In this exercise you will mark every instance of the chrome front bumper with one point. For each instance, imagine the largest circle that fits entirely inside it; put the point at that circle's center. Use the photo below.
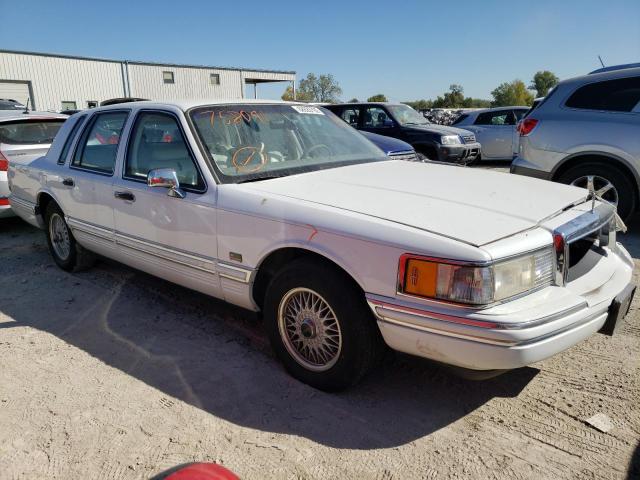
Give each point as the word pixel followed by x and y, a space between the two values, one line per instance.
pixel 506 336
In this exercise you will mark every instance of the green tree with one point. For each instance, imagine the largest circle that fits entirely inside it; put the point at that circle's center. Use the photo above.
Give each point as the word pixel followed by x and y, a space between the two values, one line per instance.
pixel 354 100
pixel 420 104
pixel 476 103
pixel 511 93
pixel 300 97
pixel 542 82
pixel 316 88
pixel 377 98
pixel 454 98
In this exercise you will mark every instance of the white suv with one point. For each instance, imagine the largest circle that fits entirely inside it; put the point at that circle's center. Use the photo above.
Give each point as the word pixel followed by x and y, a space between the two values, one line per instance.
pixel 588 130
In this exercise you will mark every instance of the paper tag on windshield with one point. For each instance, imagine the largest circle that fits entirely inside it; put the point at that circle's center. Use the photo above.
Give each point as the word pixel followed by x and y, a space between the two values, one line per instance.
pixel 307 109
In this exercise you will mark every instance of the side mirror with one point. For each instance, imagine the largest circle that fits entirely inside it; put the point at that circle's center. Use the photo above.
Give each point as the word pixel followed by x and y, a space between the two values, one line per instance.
pixel 167 178
pixel 388 123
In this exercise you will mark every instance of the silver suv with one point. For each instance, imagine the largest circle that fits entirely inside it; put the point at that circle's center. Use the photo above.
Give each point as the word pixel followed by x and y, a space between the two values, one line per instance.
pixel 587 130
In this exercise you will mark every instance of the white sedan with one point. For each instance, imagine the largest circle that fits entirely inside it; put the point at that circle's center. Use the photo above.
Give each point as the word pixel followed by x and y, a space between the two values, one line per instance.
pixel 283 208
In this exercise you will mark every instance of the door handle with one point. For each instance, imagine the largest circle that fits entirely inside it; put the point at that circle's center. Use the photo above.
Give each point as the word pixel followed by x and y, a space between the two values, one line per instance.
pixel 130 197
pixel 68 182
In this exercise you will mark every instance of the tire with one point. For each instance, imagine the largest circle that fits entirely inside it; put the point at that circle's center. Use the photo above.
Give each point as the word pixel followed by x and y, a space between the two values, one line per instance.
pixel 66 252
pixel 625 187
pixel 358 340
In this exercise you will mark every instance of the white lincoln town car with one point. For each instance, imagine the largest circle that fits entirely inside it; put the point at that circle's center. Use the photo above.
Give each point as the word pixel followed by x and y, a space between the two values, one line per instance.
pixel 284 209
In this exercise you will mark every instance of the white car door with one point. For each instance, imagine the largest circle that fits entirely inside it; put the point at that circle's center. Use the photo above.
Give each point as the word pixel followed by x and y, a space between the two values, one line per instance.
pixel 494 130
pixel 84 188
pixel 173 238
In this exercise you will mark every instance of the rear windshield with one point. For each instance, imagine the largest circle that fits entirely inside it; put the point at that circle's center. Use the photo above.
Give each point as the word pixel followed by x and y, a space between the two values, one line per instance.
pixel 31 132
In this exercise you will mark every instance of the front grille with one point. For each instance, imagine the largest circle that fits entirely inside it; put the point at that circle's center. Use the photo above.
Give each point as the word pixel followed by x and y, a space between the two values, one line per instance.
pixel 581 235
pixel 469 138
pixel 409 156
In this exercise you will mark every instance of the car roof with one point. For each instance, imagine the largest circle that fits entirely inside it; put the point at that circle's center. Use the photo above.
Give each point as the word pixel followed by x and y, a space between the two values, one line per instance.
pixel 602 75
pixel 615 67
pixel 364 103
pixel 188 104
pixel 495 109
pixel 13 115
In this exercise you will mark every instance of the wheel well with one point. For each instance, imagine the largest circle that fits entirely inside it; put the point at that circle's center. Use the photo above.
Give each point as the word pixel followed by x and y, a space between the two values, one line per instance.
pixel 426 149
pixel 277 259
pixel 44 199
pixel 595 158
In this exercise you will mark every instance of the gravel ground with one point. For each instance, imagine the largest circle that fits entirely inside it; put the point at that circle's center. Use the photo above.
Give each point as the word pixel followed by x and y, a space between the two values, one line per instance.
pixel 111 373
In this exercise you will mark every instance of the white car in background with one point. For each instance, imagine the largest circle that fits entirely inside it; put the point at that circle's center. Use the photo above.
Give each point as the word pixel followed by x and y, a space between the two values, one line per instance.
pixel 24 136
pixel 285 209
pixel 495 129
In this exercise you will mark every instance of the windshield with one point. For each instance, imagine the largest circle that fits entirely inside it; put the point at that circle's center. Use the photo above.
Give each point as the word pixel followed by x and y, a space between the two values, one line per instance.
pixel 247 142
pixel 406 115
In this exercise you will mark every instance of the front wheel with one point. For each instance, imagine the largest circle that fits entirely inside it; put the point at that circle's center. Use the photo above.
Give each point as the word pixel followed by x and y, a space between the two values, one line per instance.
pixel 66 252
pixel 320 326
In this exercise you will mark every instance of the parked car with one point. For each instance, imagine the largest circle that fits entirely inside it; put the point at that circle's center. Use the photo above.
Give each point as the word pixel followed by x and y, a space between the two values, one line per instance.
pixel 392 147
pixel 10 104
pixel 586 132
pixel 281 208
pixel 435 142
pixel 495 129
pixel 23 137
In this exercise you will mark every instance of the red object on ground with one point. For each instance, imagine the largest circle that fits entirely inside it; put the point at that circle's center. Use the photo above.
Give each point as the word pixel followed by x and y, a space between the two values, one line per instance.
pixel 203 471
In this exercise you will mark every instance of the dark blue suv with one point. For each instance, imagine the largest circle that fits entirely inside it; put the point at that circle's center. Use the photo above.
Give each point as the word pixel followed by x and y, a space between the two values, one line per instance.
pixel 435 142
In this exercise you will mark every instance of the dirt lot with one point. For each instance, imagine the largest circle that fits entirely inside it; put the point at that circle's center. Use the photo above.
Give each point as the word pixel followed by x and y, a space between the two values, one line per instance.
pixel 111 373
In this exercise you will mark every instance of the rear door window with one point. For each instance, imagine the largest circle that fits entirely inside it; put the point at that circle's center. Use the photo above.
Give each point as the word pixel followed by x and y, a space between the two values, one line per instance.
pixel 501 117
pixel 69 141
pixel 98 146
pixel 619 95
pixel 29 132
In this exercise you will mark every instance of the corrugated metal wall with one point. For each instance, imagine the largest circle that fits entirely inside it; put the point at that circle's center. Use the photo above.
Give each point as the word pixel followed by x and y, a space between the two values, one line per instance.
pixel 55 79
pixel 190 83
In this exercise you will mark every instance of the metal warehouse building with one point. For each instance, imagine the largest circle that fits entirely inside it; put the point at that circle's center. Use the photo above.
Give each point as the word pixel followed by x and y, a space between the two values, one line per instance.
pixel 61 82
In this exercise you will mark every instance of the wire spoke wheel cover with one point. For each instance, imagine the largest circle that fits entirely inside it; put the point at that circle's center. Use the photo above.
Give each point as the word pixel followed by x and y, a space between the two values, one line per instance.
pixel 603 187
pixel 309 329
pixel 60 238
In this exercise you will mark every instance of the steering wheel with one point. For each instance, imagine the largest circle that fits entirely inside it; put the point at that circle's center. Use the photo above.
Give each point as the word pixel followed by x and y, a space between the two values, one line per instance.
pixel 317 147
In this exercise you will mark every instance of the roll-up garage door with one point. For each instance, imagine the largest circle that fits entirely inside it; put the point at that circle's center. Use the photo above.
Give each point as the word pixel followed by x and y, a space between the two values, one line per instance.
pixel 18 91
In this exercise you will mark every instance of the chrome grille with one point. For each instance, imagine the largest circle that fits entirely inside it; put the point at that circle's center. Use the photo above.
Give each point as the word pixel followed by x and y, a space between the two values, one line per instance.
pixel 409 156
pixel 598 224
pixel 469 138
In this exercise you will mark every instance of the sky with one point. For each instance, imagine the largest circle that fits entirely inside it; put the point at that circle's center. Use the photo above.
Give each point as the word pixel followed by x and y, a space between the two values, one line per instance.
pixel 406 50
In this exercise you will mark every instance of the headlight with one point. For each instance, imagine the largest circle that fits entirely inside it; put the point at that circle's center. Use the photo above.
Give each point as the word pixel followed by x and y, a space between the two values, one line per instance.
pixel 475 285
pixel 450 140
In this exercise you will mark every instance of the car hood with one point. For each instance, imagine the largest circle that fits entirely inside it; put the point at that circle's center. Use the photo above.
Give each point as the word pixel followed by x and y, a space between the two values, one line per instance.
pixel 471 205
pixel 388 145
pixel 441 129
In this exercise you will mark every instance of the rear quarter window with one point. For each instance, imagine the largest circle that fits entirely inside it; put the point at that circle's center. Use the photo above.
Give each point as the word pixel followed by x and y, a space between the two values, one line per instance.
pixel 29 132
pixel 619 95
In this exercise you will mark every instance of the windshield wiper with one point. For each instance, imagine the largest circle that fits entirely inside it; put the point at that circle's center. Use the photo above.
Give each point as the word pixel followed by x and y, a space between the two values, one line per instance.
pixel 415 123
pixel 257 179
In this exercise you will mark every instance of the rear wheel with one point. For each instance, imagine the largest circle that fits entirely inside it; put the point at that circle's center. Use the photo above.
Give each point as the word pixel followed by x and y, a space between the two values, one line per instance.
pixel 609 182
pixel 66 252
pixel 320 326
